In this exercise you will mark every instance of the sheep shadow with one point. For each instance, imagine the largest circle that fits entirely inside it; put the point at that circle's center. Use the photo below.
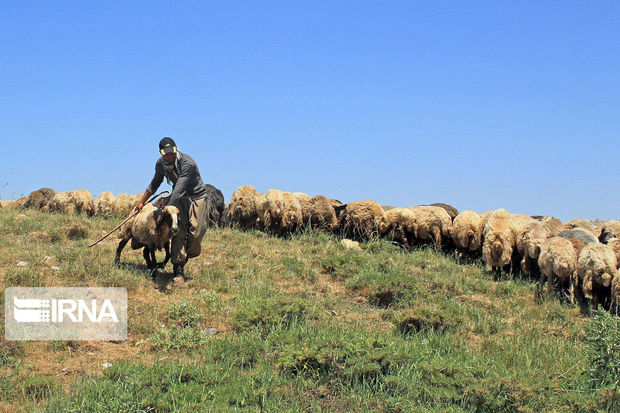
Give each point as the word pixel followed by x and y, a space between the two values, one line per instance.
pixel 160 277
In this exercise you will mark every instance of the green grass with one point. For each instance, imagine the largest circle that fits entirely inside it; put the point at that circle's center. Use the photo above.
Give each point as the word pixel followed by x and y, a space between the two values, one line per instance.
pixel 306 325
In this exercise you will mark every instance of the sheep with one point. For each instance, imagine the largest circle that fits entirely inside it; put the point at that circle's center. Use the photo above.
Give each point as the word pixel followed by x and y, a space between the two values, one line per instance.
pixel 71 202
pixel 431 224
pixel 614 244
pixel 452 211
pixel 304 203
pixel 20 203
pixel 579 238
pixel 144 232
pixel 362 220
pixel 386 208
pixel 40 198
pixel 215 205
pixel 608 231
pixel 322 213
pixel 125 204
pixel 292 217
pixel 104 204
pixel 529 242
pixel 400 226
pixel 552 224
pixel 522 225
pixel 242 210
pixel 580 223
pixel 499 241
pixel 558 261
pixel 596 267
pixel 466 233
pixel 270 208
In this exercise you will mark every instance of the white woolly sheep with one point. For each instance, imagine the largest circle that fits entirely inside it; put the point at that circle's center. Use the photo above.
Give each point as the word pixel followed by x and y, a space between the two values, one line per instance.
pixel 530 242
pixel 466 233
pixel 452 211
pixel 40 198
pixel 104 204
pixel 362 220
pixel 71 202
pixel 579 238
pixel 400 226
pixel 124 204
pixel 304 203
pixel 322 213
pixel 558 261
pixel 243 209
pixel 499 241
pixel 431 224
pixel 270 209
pixel 596 267
pixel 144 232
pixel 292 218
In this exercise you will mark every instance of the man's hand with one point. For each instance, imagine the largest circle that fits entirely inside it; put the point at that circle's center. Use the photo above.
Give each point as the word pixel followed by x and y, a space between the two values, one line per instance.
pixel 139 206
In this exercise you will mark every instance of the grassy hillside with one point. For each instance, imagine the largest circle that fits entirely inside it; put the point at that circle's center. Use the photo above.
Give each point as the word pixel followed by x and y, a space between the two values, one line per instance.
pixel 304 325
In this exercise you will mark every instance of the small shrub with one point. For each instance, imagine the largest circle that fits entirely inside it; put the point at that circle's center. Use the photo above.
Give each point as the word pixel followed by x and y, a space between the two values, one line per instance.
pixel 603 339
pixel 271 311
pixel 184 314
pixel 178 338
pixel 38 387
pixel 76 231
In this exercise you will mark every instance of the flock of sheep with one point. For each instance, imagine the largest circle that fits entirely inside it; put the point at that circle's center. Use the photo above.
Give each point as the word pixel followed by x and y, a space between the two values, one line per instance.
pixel 576 259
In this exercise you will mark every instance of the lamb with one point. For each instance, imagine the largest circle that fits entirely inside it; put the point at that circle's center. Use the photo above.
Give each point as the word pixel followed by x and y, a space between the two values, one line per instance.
pixel 243 209
pixel 362 220
pixel 292 218
pixel 608 231
pixel 322 213
pixel 270 208
pixel 144 232
pixel 466 233
pixel 499 241
pixel 72 202
pixel 431 224
pixel 104 204
pixel 40 198
pixel 558 261
pixel 400 226
pixel 304 203
pixel 597 267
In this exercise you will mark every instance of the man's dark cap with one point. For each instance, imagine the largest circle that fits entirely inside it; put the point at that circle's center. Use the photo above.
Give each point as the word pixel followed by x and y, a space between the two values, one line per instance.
pixel 167 145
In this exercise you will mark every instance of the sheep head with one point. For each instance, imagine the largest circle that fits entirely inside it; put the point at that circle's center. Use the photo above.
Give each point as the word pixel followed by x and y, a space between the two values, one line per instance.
pixel 171 218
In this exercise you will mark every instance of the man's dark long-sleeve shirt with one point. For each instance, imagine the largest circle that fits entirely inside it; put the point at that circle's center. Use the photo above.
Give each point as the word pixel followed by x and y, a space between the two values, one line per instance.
pixel 185 178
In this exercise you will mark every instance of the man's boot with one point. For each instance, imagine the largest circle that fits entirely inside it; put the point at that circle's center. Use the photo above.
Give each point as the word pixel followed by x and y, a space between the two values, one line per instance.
pixel 179 275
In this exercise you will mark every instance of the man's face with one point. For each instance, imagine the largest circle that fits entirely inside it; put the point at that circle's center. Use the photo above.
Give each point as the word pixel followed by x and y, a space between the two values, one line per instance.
pixel 170 157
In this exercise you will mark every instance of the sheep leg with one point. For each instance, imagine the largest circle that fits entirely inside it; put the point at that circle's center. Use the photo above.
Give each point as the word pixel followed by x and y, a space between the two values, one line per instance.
pixel 117 257
pixel 146 252
pixel 167 258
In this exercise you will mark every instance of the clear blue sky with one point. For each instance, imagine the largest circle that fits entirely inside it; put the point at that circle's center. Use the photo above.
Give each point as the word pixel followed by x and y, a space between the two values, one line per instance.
pixel 478 104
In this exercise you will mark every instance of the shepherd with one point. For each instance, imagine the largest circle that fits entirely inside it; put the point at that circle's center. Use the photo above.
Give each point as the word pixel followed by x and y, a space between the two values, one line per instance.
pixel 188 195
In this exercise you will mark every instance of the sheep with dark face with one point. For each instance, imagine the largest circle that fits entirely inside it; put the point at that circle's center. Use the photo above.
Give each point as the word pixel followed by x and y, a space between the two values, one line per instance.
pixel 144 232
pixel 608 231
